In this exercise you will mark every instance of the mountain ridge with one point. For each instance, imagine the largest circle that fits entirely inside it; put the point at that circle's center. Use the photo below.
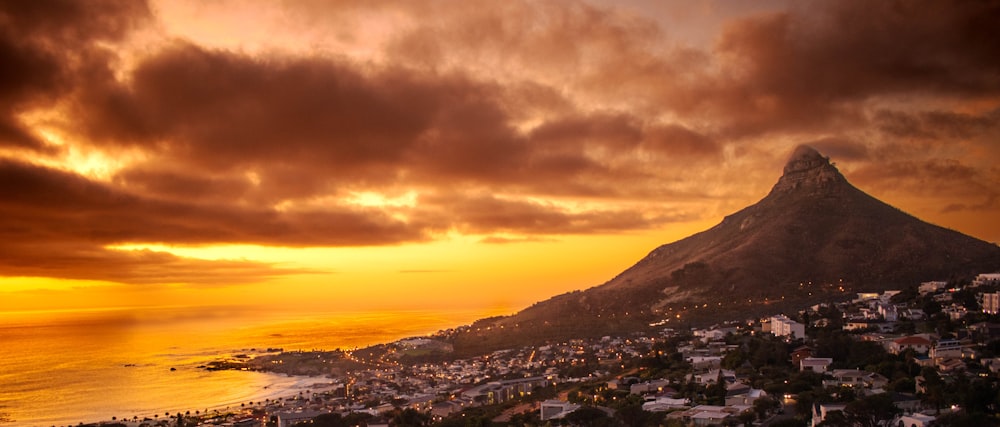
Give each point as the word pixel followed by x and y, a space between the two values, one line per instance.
pixel 814 237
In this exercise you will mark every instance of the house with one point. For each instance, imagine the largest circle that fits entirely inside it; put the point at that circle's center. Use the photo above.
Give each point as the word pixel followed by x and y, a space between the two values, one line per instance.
pixel 708 418
pixel 703 415
pixel 915 420
pixel 663 404
pixel 992 364
pixel 448 407
pixel 287 419
pixel 985 330
pixel 655 386
pixel 991 303
pixel 986 279
pixel 946 348
pixel 782 326
pixel 712 376
pixel 705 362
pixel 950 364
pixel 801 353
pixel 907 402
pixel 556 409
pixel 815 364
pixel 888 312
pixel 821 410
pixel 955 311
pixel 856 378
pixel 917 343
pixel 741 394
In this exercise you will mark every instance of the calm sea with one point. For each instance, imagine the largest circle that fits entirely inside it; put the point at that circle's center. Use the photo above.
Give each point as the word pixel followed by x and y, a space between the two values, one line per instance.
pixel 59 369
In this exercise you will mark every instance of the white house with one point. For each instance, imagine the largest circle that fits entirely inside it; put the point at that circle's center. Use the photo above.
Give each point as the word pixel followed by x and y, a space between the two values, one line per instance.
pixel 917 343
pixel 946 348
pixel 991 303
pixel 815 364
pixel 553 409
pixel 782 326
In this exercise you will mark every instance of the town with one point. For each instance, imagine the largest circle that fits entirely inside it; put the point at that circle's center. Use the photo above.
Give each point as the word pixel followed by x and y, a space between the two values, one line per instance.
pixel 927 355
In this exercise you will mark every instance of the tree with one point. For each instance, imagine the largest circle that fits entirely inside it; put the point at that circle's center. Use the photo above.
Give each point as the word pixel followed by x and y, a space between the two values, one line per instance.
pixel 410 417
pixel 764 406
pixel 715 393
pixel 964 419
pixel 328 420
pixel 588 416
pixel 934 388
pixel 524 419
pixel 632 415
pixel 835 419
pixel 876 410
pixel 980 397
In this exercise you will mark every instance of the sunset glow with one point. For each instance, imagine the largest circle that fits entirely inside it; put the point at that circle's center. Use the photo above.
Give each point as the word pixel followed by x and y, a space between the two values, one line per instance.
pixel 455 155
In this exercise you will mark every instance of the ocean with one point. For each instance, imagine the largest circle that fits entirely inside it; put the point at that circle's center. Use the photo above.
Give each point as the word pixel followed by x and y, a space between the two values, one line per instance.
pixel 64 368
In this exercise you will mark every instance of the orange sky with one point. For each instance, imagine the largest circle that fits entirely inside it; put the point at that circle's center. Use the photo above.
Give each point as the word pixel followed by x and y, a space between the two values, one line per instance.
pixel 428 154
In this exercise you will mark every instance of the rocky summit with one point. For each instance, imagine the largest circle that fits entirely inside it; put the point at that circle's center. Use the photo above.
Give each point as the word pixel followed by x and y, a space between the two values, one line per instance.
pixel 813 238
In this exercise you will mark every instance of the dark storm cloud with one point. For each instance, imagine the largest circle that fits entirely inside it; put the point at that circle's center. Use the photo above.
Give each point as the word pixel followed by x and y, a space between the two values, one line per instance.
pixel 87 262
pixel 221 111
pixel 49 204
pixel 813 65
pixel 42 43
pixel 227 110
pixel 943 178
pixel 179 184
pixel 937 125
pixel 59 223
pixel 488 214
pixel 988 204
pixel 316 126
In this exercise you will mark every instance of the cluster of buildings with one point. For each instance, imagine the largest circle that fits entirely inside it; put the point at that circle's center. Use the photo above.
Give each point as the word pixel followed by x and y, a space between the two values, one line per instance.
pixel 445 388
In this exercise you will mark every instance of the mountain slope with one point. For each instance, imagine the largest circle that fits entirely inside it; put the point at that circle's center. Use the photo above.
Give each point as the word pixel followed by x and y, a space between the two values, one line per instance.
pixel 812 238
pixel 815 226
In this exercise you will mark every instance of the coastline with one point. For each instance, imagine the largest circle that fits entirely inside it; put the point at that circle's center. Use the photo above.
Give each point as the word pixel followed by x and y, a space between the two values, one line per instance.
pixel 74 370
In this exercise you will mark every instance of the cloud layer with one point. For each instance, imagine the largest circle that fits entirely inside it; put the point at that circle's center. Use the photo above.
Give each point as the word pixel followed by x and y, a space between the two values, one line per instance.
pixel 512 121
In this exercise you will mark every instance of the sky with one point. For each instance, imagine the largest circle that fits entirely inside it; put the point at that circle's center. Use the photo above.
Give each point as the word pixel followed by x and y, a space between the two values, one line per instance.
pixel 455 154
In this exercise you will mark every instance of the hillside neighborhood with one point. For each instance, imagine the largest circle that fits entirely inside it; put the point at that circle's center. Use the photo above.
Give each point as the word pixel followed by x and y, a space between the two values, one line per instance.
pixel 928 355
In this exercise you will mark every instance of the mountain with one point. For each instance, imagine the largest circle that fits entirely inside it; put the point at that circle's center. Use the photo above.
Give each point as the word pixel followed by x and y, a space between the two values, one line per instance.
pixel 813 238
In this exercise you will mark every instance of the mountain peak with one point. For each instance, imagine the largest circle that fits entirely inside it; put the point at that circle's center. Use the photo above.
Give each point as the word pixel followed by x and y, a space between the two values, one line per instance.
pixel 808 169
pixel 815 238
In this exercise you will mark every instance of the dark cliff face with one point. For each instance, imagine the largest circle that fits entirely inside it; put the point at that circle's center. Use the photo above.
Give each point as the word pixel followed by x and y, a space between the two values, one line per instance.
pixel 808 171
pixel 813 227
